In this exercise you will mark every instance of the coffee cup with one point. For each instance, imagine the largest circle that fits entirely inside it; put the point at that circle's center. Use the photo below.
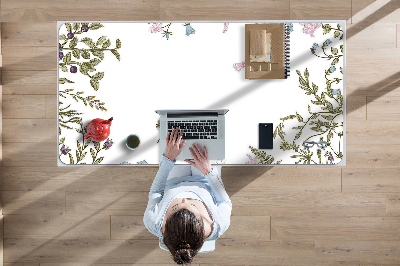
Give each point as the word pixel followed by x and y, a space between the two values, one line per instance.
pixel 132 142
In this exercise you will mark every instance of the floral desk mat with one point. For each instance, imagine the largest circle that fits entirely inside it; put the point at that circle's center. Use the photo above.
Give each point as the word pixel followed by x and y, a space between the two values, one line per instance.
pixel 127 70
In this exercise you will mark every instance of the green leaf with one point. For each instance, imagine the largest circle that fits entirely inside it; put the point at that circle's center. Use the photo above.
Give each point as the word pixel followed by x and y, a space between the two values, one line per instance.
pixel 287 117
pixel 298 135
pixel 88 42
pixel 93 153
pixel 101 40
pixel 61 141
pixel 71 159
pixel 118 44
pixel 99 160
pixel 95 26
pixel 336 34
pixel 84 69
pixel 73 43
pixel 317 129
pixel 64 80
pixel 76 53
pixel 62 37
pixel 79 146
pixel 299 118
pixel 315 88
pixel 76 26
pixel 88 66
pixel 69 27
pixel 328 117
pixel 338 26
pixel 64 68
pixel 67 58
pixel 95 61
pixel 99 54
pixel 341 70
pixel 98 76
pixel 341 48
pixel 329 106
pixel 85 53
pixel 306 74
pixel 334 50
pixel 115 52
pixel 82 156
pixel 106 44
pixel 335 61
pixel 275 132
pixel 95 85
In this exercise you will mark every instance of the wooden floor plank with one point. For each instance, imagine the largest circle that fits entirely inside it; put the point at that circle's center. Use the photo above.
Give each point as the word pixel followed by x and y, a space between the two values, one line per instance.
pixel 54 226
pixel 241 227
pixel 29 130
pixel 26 154
pixel 384 36
pixel 393 204
pixel 369 12
pixel 24 106
pixel 356 108
pixel 31 58
pixel 33 202
pixel 373 132
pixel 359 5
pixel 371 180
pixel 30 82
pixel 308 204
pixel 61 10
pixel 29 34
pixel 335 228
pixel 378 84
pixel 362 252
pixel 322 9
pixel 51 106
pixel 118 179
pixel 383 108
pixel 223 10
pixel 147 251
pixel 361 155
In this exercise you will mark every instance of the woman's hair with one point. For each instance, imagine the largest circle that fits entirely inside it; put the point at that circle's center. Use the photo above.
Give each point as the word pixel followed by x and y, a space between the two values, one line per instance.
pixel 184 235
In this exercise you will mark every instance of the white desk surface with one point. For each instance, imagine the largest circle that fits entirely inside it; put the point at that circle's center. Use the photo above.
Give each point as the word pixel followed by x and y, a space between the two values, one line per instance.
pixel 196 72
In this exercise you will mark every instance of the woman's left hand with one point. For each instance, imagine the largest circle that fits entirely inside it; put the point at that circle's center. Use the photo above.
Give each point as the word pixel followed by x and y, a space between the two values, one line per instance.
pixel 172 149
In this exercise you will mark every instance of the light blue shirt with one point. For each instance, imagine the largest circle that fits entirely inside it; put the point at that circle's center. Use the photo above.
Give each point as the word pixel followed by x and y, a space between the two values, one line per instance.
pixel 208 188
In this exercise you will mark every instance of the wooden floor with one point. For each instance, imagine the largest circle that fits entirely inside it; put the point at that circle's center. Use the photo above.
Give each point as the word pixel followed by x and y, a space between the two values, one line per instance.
pixel 280 216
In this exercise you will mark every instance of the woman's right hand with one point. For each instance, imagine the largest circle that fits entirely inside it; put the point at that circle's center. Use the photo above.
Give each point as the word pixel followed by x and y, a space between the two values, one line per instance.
pixel 201 161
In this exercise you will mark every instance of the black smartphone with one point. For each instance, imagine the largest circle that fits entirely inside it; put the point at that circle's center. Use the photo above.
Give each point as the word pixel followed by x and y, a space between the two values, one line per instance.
pixel 265 136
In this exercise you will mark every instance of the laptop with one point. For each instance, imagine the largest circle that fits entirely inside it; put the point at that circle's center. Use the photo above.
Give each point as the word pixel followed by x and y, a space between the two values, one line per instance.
pixel 205 127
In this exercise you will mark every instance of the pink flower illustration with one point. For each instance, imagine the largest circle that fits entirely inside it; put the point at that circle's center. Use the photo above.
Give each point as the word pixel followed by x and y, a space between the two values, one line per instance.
pixel 156 27
pixel 254 160
pixel 310 28
pixel 226 25
pixel 239 66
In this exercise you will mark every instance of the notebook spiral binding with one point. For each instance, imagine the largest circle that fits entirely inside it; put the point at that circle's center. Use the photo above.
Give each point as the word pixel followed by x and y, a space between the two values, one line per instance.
pixel 286 51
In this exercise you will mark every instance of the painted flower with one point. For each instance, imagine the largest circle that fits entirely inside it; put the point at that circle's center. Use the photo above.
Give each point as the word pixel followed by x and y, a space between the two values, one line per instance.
pixel 296 162
pixel 156 27
pixel 95 143
pixel 73 69
pixel 310 28
pixel 65 150
pixel 125 162
pixel 226 25
pixel 254 160
pixel 70 35
pixel 332 69
pixel 314 46
pixel 142 162
pixel 327 42
pixel 330 158
pixel 108 144
pixel 85 28
pixel 60 55
pixel 336 92
pixel 290 25
pixel 59 45
pixel 239 66
pixel 167 35
pixel 189 30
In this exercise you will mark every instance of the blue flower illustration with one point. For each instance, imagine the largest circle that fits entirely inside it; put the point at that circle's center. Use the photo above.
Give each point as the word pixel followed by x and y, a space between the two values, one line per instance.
pixel 290 26
pixel 332 69
pixel 142 162
pixel 314 46
pixel 327 42
pixel 336 92
pixel 189 30
pixel 167 35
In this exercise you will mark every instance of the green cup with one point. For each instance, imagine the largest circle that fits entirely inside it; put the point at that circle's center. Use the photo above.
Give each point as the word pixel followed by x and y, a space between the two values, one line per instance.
pixel 132 142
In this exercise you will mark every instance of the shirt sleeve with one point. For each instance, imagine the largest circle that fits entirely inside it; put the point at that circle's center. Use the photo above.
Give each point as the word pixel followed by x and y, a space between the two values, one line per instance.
pixel 224 204
pixel 156 194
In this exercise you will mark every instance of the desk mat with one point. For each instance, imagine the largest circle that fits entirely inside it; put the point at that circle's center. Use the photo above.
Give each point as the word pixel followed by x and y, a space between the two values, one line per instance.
pixel 127 70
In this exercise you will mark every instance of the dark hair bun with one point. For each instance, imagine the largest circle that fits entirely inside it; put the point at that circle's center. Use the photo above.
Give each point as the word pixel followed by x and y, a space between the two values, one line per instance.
pixel 184 254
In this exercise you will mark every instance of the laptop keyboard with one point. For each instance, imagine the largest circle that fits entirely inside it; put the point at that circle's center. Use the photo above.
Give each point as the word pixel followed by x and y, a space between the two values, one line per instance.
pixel 195 129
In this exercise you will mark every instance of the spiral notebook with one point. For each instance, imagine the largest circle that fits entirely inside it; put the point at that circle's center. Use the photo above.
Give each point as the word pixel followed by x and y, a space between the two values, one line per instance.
pixel 267 51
